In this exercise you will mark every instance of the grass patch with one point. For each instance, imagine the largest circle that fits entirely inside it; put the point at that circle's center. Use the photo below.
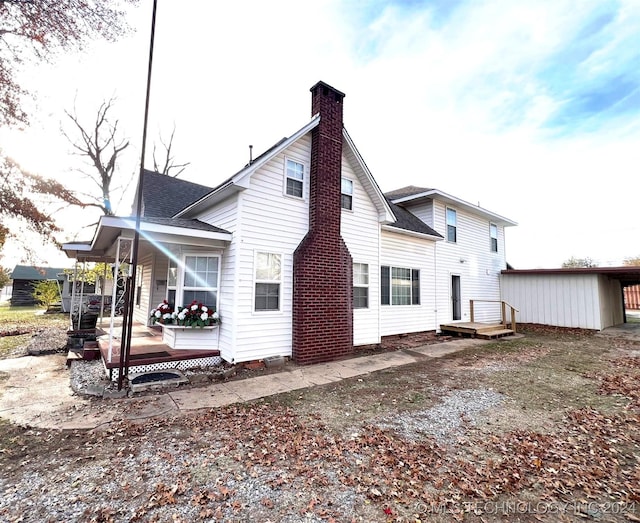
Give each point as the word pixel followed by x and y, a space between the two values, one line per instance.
pixel 557 380
pixel 10 344
pixel 28 319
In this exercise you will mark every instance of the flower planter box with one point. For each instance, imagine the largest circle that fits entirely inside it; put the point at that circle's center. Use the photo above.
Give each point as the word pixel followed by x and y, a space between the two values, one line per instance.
pixel 190 338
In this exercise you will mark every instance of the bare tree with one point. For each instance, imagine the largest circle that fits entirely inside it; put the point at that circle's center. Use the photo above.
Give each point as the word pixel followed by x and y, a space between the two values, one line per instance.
pixel 101 145
pixel 169 161
pixel 32 31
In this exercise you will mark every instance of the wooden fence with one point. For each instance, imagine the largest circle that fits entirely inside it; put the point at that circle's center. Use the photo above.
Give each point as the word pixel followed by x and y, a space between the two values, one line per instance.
pixel 632 297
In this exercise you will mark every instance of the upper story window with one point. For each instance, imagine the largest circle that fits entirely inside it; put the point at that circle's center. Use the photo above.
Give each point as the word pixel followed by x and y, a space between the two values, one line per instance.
pixel 346 194
pixel 452 225
pixel 294 178
pixel 493 234
pixel 399 286
pixel 360 286
pixel 268 278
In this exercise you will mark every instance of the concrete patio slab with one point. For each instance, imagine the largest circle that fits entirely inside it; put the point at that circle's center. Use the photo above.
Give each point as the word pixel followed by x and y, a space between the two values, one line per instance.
pixel 368 364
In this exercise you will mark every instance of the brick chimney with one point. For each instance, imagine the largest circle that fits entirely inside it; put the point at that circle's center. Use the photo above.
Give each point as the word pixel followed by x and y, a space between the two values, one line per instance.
pixel 322 266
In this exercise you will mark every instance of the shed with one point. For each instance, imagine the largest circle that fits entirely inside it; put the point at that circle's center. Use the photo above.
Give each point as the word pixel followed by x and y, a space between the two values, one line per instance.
pixel 586 298
pixel 25 276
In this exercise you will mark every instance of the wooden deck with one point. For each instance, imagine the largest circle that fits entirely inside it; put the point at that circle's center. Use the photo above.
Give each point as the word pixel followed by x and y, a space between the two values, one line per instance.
pixel 476 329
pixel 147 349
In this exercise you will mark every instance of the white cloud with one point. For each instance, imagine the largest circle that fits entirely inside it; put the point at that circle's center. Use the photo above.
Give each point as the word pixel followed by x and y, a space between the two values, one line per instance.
pixel 461 97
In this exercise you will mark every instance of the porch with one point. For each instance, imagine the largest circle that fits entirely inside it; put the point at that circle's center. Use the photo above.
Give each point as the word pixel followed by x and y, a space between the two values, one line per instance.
pixel 505 326
pixel 149 353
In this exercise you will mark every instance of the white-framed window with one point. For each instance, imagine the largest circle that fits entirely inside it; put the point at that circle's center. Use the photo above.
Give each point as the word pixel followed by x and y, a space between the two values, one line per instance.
pixel 139 280
pixel 399 286
pixel 268 281
pixel 172 281
pixel 346 194
pixel 493 237
pixel 452 225
pixel 294 178
pixel 200 280
pixel 360 286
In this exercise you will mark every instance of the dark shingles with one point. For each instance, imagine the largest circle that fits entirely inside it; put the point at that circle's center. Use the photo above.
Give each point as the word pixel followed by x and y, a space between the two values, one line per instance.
pixel 410 222
pixel 409 190
pixel 183 222
pixel 164 196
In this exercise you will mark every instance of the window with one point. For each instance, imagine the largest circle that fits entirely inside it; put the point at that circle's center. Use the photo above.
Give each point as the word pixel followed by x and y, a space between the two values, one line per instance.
pixel 268 278
pixel 294 177
pixel 346 194
pixel 172 281
pixel 200 281
pixel 139 280
pixel 452 220
pixel 360 286
pixel 399 286
pixel 493 233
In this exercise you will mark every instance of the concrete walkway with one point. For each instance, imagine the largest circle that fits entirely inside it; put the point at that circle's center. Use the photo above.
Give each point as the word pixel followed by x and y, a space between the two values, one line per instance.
pixel 36 391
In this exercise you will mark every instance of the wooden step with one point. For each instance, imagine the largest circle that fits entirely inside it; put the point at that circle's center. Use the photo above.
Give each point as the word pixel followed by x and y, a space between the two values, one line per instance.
pixel 497 333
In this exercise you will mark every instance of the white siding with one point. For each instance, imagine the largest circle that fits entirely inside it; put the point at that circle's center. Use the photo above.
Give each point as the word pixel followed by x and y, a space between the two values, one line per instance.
pixel 263 219
pixel 399 250
pixel 470 257
pixel 141 312
pixel 563 300
pixel 361 232
pixel 225 216
pixel 160 268
pixel 611 302
pixel 276 223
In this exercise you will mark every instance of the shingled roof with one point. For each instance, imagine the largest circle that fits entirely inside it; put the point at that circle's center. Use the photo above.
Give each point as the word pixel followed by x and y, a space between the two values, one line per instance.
pixel 163 196
pixel 30 272
pixel 410 222
pixel 409 190
pixel 183 222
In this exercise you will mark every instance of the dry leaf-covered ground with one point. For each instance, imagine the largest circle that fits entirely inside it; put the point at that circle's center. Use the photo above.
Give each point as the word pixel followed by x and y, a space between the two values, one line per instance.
pixel 546 428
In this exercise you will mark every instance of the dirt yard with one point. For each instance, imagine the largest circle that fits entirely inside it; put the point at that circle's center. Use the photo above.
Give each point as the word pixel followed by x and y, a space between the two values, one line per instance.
pixel 545 428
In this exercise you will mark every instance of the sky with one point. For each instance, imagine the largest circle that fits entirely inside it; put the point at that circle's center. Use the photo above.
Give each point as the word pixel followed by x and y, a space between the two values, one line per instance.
pixel 530 109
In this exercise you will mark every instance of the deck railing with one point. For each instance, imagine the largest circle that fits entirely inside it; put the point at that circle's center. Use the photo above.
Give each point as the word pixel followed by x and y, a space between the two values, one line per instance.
pixel 503 312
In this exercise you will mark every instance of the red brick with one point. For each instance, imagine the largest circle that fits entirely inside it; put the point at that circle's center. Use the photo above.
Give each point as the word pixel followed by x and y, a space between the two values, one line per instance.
pixel 322 278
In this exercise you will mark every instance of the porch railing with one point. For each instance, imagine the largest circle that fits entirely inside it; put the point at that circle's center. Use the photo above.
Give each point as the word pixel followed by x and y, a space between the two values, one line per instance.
pixel 503 312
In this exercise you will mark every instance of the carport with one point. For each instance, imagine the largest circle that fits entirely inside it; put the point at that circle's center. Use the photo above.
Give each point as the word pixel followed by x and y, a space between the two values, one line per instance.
pixel 587 298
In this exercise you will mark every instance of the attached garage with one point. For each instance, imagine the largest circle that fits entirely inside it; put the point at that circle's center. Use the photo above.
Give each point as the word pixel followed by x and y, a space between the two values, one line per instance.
pixel 586 298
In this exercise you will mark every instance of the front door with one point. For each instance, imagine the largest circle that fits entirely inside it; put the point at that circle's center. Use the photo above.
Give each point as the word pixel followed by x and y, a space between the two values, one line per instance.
pixel 455 298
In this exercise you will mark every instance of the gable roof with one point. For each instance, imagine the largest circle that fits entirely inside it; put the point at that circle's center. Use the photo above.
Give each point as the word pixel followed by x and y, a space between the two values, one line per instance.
pixel 164 196
pixel 241 179
pixel 412 194
pixel 30 272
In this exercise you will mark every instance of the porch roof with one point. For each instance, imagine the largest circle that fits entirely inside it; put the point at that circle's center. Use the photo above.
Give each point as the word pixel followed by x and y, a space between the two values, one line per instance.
pixel 172 230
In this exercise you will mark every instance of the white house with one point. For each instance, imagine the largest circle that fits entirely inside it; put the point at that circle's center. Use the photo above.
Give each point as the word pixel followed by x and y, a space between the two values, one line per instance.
pixel 302 254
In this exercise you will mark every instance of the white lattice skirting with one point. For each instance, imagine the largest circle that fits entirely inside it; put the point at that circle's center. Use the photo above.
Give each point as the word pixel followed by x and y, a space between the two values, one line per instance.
pixel 212 361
